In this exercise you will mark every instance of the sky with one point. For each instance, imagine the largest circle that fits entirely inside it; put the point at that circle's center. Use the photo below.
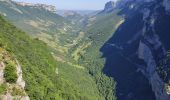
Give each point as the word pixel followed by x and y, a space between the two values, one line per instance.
pixel 72 4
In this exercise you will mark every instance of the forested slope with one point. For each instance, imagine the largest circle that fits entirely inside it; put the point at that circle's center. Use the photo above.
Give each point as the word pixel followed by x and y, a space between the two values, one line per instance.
pixel 76 71
pixel 40 69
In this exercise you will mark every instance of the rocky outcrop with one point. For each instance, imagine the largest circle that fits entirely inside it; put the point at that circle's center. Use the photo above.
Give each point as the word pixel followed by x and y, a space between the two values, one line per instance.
pixel 109 7
pixel 12 91
pixel 2 66
pixel 20 80
pixel 10 97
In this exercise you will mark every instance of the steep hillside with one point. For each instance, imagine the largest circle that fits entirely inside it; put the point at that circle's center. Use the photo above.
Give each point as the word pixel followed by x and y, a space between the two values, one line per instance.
pixel 11 82
pixel 137 55
pixel 45 77
pixel 86 52
pixel 40 23
pixel 33 19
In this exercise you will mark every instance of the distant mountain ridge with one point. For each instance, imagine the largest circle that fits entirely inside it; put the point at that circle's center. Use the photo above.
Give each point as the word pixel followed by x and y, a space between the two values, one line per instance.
pixel 45 6
pixel 37 5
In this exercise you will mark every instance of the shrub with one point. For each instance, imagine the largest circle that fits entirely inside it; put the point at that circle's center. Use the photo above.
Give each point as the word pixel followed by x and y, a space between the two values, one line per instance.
pixel 17 91
pixel 10 73
pixel 2 88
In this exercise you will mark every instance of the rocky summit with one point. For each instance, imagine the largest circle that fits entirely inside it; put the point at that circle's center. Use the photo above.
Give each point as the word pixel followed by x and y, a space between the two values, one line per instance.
pixel 109 6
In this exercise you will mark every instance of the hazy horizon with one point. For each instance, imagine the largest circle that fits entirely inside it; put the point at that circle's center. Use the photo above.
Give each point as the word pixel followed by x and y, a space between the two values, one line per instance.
pixel 72 4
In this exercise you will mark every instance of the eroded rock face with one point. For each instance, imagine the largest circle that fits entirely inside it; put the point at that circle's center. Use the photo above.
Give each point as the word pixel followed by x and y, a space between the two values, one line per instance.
pixel 20 80
pixel 2 66
pixel 145 45
pixel 150 49
pixel 156 82
pixel 148 52
pixel 166 4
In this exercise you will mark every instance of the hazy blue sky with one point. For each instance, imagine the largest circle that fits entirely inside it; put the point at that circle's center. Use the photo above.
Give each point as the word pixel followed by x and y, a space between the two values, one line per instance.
pixel 73 4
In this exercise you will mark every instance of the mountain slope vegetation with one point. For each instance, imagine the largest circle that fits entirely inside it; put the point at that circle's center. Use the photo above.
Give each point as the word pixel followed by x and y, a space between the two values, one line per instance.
pixel 86 53
pixel 42 72
pixel 40 23
pixel 68 66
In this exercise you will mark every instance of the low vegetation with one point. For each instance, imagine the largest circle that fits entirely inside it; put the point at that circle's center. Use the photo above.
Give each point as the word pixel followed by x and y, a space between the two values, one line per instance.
pixel 3 88
pixel 10 73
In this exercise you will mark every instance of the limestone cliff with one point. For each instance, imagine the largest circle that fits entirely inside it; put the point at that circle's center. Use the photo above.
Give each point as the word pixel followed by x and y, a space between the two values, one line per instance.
pixel 143 38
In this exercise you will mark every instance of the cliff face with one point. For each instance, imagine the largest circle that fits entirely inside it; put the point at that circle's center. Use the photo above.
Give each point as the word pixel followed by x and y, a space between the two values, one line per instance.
pixel 151 50
pixel 166 4
pixel 143 39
